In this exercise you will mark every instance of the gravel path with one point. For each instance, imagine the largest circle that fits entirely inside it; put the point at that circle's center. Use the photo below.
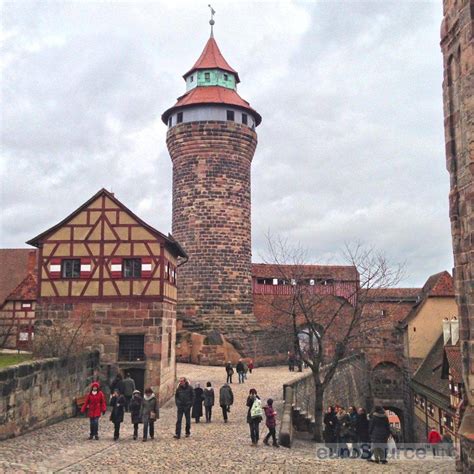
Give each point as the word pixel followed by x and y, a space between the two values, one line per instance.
pixel 214 447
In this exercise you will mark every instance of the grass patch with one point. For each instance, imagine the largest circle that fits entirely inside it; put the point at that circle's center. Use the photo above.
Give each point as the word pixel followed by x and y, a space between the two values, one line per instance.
pixel 13 359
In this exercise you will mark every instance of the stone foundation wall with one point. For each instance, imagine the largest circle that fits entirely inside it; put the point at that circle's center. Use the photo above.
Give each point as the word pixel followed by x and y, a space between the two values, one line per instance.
pixel 107 321
pixel 35 394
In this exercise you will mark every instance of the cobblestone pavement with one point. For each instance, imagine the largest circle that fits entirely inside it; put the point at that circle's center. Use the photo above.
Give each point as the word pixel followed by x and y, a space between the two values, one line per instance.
pixel 215 447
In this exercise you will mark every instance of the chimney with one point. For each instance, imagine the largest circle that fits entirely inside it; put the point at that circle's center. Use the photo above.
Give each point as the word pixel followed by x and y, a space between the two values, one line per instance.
pixel 446 330
pixel 454 330
pixel 31 261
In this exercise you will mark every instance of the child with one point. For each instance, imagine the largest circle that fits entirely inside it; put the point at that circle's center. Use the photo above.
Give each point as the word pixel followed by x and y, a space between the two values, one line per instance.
pixel 95 404
pixel 270 415
pixel 117 402
pixel 135 407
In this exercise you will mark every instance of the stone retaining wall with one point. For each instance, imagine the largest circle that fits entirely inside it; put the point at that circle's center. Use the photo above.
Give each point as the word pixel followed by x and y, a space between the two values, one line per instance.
pixel 35 394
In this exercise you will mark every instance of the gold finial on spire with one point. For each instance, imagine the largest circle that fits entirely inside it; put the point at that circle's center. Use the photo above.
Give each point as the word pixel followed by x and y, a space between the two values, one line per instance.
pixel 211 21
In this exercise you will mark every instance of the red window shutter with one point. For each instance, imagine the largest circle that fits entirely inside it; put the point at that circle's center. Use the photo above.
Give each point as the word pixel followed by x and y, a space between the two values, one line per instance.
pixel 55 268
pixel 116 267
pixel 86 267
pixel 146 267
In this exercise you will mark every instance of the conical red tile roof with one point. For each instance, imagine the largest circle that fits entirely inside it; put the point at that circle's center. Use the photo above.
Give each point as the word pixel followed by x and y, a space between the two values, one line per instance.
pixel 212 95
pixel 211 58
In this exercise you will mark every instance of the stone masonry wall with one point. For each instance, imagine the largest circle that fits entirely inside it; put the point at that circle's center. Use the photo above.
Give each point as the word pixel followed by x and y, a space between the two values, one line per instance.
pixel 458 98
pixel 211 220
pixel 35 394
pixel 107 321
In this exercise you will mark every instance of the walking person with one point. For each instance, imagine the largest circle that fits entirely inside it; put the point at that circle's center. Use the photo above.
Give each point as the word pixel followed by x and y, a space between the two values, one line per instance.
pixel 150 412
pixel 270 421
pixel 117 402
pixel 184 399
pixel 379 431
pixel 362 434
pixel 208 396
pixel 197 405
pixel 251 366
pixel 240 371
pixel 135 411
pixel 128 389
pixel 254 415
pixel 117 382
pixel 343 432
pixel 330 428
pixel 434 438
pixel 229 371
pixel 226 399
pixel 95 406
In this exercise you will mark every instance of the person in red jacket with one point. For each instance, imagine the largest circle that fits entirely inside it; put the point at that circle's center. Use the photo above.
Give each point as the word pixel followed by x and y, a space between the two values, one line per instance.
pixel 434 438
pixel 270 415
pixel 95 404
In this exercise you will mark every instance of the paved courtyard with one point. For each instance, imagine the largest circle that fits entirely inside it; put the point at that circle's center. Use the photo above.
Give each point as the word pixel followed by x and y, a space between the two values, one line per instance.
pixel 215 447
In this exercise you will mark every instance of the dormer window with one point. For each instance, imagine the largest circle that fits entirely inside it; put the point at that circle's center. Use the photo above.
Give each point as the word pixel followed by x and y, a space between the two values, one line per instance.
pixel 179 117
pixel 191 79
pixel 230 115
pixel 244 119
pixel 207 76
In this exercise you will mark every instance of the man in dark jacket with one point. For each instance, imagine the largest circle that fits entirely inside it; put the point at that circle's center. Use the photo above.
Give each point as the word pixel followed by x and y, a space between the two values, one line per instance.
pixel 184 398
pixel 379 431
pixel 128 389
pixel 226 399
pixel 240 370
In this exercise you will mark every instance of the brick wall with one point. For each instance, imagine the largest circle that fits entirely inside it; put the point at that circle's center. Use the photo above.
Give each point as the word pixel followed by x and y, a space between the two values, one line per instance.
pixel 35 394
pixel 458 98
pixel 211 220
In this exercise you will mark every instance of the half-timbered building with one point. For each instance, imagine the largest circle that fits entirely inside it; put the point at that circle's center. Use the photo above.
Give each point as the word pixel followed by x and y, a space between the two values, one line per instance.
pixel 104 265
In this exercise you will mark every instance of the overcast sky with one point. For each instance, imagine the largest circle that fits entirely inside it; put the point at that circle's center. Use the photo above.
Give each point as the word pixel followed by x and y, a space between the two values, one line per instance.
pixel 351 147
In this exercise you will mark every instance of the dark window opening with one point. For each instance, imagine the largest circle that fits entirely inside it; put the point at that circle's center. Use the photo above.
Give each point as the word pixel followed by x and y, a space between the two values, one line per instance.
pixel 179 118
pixel 226 77
pixel 132 348
pixel 244 119
pixel 207 76
pixel 132 268
pixel 71 268
pixel 170 340
pixel 191 79
pixel 170 121
pixel 230 115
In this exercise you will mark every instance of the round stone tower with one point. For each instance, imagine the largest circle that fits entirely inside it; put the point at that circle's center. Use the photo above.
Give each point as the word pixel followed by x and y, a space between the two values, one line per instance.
pixel 211 141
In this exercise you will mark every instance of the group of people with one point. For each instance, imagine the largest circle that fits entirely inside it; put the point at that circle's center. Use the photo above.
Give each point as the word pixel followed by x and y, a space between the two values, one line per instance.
pixel 353 434
pixel 242 368
pixel 189 403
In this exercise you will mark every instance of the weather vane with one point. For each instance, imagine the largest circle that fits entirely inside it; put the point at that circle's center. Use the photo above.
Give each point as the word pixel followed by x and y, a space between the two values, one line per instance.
pixel 211 21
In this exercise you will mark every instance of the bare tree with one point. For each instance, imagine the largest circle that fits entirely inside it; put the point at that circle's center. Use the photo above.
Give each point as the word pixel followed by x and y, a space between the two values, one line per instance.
pixel 8 329
pixel 323 325
pixel 62 338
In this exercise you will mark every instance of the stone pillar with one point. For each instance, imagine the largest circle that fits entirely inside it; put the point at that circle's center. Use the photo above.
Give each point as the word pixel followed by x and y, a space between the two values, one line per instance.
pixel 458 98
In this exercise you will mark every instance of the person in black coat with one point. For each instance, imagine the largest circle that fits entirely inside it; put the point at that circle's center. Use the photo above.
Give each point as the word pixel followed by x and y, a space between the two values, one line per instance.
pixel 229 370
pixel 117 402
pixel 330 426
pixel 362 433
pixel 379 432
pixel 184 399
pixel 135 408
pixel 197 405
pixel 208 396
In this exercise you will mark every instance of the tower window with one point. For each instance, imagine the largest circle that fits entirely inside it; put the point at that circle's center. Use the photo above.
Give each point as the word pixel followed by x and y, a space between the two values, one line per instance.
pixel 244 119
pixel 230 115
pixel 226 77
pixel 170 121
pixel 191 79
pixel 179 117
pixel 132 267
pixel 71 268
pixel 207 76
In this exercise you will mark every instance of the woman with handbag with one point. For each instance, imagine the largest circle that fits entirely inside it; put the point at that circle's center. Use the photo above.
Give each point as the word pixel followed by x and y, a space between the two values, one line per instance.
pixel 149 413
pixel 254 415
pixel 117 402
